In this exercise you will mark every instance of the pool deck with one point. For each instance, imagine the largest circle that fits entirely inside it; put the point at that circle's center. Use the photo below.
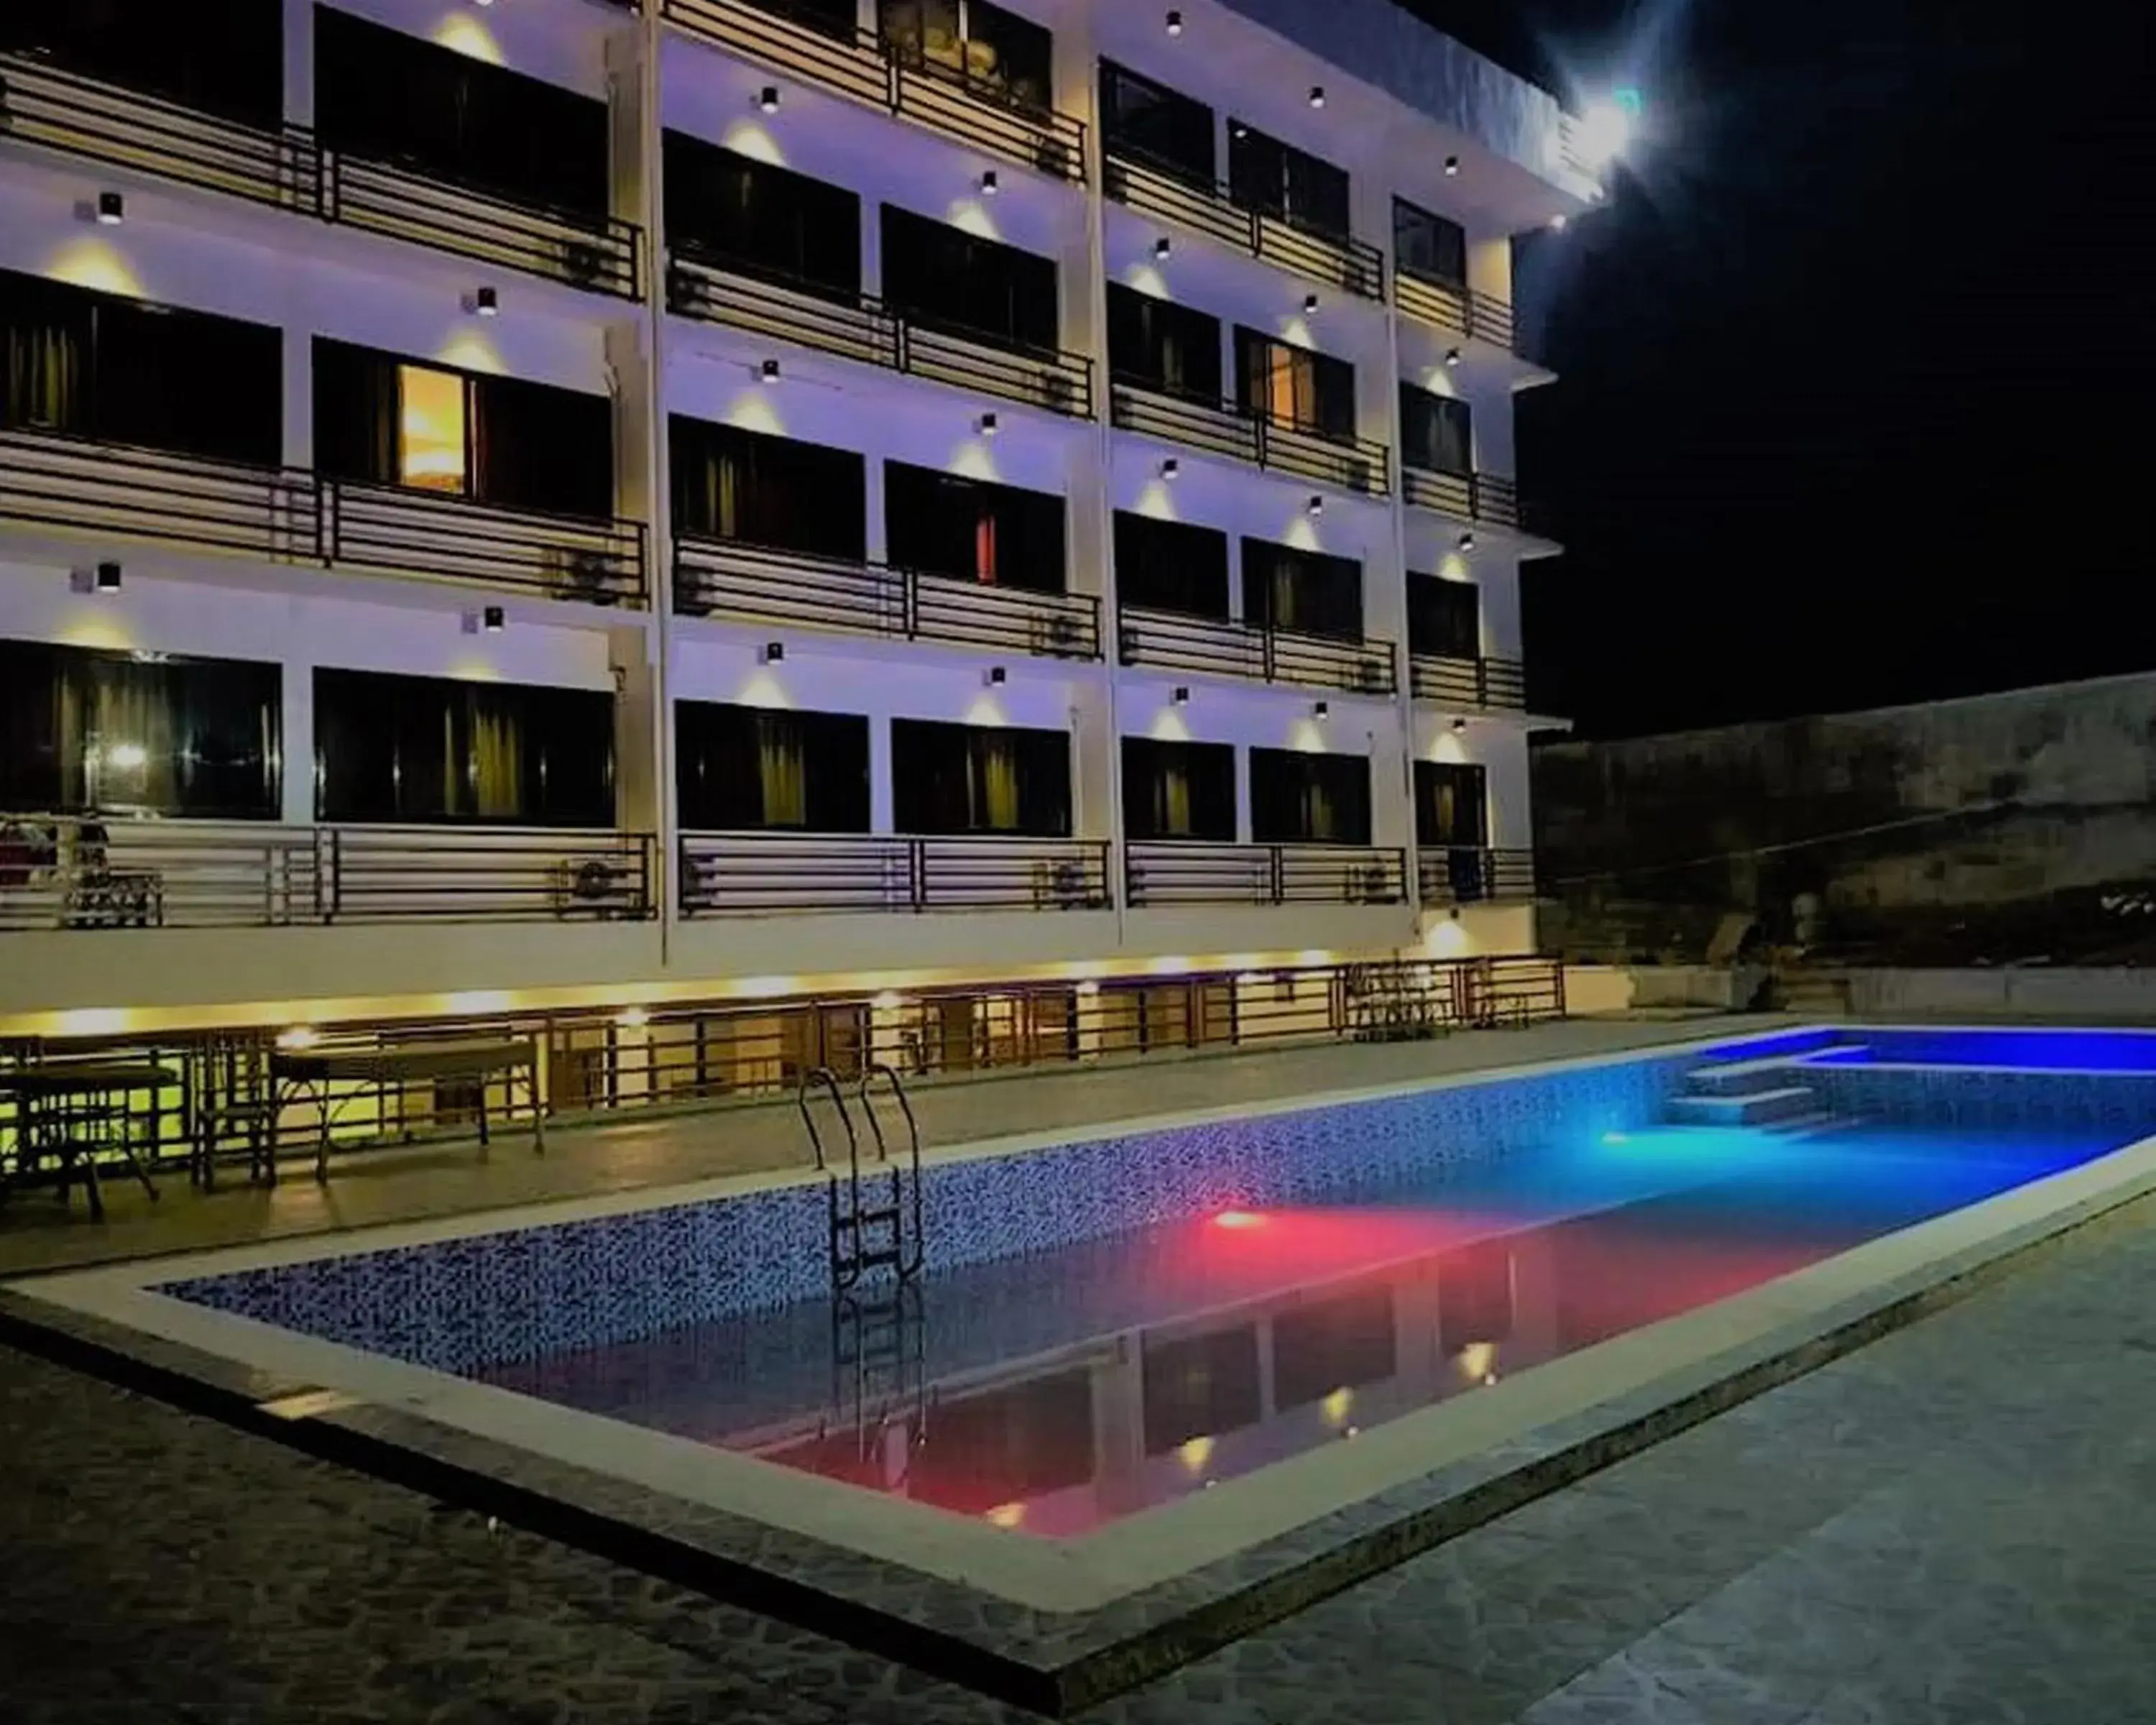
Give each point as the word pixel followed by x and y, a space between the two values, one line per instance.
pixel 636 1152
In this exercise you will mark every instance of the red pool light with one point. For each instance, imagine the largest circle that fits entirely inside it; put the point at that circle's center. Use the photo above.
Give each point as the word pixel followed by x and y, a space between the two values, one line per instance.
pixel 1238 1218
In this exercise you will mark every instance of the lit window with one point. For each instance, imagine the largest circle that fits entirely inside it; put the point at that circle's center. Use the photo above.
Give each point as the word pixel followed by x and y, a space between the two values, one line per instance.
pixel 430 447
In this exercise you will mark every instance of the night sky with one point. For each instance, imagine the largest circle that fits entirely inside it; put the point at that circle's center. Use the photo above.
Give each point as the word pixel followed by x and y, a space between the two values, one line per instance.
pixel 1856 370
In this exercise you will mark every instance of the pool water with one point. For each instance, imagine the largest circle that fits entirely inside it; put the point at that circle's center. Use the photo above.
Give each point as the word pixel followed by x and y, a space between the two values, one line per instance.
pixel 1056 1392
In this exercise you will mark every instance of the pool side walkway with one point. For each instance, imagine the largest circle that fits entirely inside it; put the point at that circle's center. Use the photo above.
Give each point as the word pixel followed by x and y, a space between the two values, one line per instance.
pixel 639 1152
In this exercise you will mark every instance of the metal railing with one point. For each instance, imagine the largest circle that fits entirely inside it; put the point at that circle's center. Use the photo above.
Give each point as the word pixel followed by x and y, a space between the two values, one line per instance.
pixel 1221 646
pixel 862 328
pixel 1484 498
pixel 1167 872
pixel 768 873
pixel 1243 434
pixel 287 167
pixel 1462 874
pixel 725 577
pixel 74 872
pixel 287 515
pixel 1130 177
pixel 1474 685
pixel 1458 310
pixel 862 65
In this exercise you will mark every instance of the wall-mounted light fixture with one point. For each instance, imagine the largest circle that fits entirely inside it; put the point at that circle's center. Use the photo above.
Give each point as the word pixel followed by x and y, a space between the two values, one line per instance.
pixel 1175 23
pixel 768 99
pixel 1321 709
pixel 1317 504
pixel 1169 467
pixel 1460 724
pixel 1161 248
pixel 493 620
pixel 1453 355
pixel 486 302
pixel 998 676
pixel 1467 542
pixel 1452 167
pixel 111 209
pixel 107 579
pixel 1181 697
pixel 987 425
pixel 769 371
pixel 1310 304
pixel 989 183
pixel 1559 221
pixel 772 653
pixel 1316 95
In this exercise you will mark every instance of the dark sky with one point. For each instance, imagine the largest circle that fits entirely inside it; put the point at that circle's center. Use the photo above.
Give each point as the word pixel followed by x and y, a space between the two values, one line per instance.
pixel 1856 369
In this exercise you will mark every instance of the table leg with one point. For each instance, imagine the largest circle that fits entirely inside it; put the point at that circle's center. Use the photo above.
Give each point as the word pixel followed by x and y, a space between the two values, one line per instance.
pixel 538 1114
pixel 323 1144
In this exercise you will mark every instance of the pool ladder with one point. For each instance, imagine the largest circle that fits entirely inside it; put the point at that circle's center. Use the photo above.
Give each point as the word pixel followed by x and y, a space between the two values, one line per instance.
pixel 869 1228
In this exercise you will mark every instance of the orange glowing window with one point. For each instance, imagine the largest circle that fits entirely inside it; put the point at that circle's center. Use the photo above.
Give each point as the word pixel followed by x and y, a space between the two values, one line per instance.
pixel 431 441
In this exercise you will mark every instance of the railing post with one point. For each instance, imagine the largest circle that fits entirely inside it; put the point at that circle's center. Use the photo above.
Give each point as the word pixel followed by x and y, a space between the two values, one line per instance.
pixel 1276 875
pixel 916 872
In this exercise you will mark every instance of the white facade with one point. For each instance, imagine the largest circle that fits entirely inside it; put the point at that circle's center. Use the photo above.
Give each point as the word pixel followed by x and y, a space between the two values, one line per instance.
pixel 702 67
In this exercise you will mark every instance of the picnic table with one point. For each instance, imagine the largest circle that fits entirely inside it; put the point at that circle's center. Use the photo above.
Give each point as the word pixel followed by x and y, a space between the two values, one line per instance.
pixel 64 1111
pixel 294 1073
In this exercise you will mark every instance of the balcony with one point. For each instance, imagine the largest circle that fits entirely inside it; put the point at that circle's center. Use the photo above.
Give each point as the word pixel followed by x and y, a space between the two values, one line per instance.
pixel 61 872
pixel 1456 309
pixel 1486 499
pixel 753 873
pixel 1468 684
pixel 288 169
pixel 1224 647
pixel 287 515
pixel 862 328
pixel 722 577
pixel 1157 190
pixel 1223 428
pixel 860 65
pixel 1465 875
pixel 1166 873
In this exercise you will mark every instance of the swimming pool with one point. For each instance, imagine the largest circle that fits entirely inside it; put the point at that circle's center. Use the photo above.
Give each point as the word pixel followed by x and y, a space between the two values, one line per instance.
pixel 1156 1372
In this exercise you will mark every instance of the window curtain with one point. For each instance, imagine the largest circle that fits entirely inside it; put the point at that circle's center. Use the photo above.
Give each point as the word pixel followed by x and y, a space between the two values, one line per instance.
pixel 47 355
pixel 357 412
pixel 497 762
pixel 995 784
pixel 782 766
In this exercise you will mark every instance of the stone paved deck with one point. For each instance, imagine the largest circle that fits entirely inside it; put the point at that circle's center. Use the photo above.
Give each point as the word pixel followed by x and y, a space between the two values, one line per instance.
pixel 405 1185
pixel 1956 1525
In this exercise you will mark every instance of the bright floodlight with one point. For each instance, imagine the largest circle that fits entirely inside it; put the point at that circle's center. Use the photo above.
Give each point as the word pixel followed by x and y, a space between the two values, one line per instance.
pixel 1606 128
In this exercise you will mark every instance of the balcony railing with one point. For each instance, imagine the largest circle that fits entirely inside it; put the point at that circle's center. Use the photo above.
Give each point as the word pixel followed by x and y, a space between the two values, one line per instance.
pixel 1463 875
pixel 1456 309
pixel 290 515
pixel 1468 684
pixel 862 65
pixel 763 873
pixel 1168 872
pixel 1335 259
pixel 724 577
pixel 1484 498
pixel 862 328
pixel 1223 428
pixel 1220 646
pixel 286 167
pixel 66 872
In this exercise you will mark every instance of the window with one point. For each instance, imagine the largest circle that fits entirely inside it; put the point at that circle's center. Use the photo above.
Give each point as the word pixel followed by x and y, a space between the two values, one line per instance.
pixel 1171 566
pixel 122 371
pixel 1178 790
pixel 971 530
pixel 1444 618
pixel 1437 432
pixel 1168 130
pixel 1302 592
pixel 992 50
pixel 1305 799
pixel 1161 346
pixel 228 59
pixel 760 218
pixel 740 767
pixel 973 778
pixel 383 420
pixel 731 484
pixel 939 274
pixel 1451 803
pixel 392 98
pixel 1265 174
pixel 1294 387
pixel 433 750
pixel 1427 246
pixel 83 730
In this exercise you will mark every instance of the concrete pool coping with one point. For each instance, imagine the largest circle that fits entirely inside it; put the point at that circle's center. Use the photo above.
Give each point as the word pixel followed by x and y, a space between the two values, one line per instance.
pixel 1049 1625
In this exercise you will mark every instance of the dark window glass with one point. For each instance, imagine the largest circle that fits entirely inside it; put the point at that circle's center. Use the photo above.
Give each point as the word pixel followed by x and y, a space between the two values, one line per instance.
pixel 1171 566
pixel 1428 246
pixel 1292 386
pixel 1436 432
pixel 433 750
pixel 1163 345
pixel 1444 618
pixel 1147 120
pixel 731 484
pixel 128 371
pixel 82 730
pixel 763 219
pixel 538 447
pixel 835 18
pixel 1333 1344
pixel 739 767
pixel 392 98
pixel 1178 790
pixel 1200 1386
pixel 1305 592
pixel 1267 175
pixel 941 274
pixel 1299 798
pixel 1452 803
pixel 972 779
pixel 227 57
pixel 999 535
pixel 992 50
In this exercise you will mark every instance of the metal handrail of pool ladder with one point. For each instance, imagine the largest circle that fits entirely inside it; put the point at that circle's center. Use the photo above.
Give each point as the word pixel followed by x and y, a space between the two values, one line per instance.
pixel 903 1175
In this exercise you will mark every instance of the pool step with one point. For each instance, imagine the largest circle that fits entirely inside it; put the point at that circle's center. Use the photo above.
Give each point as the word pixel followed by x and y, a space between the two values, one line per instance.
pixel 1750 1107
pixel 1746 1077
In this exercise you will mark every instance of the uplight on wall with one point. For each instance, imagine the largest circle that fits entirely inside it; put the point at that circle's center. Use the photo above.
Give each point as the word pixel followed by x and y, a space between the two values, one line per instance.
pixel 1175 23
pixel 987 425
pixel 111 209
pixel 767 99
pixel 1316 95
pixel 1452 167
pixel 1162 248
pixel 1170 467
pixel 485 302
pixel 107 579
pixel 988 183
pixel 1310 304
pixel 769 371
